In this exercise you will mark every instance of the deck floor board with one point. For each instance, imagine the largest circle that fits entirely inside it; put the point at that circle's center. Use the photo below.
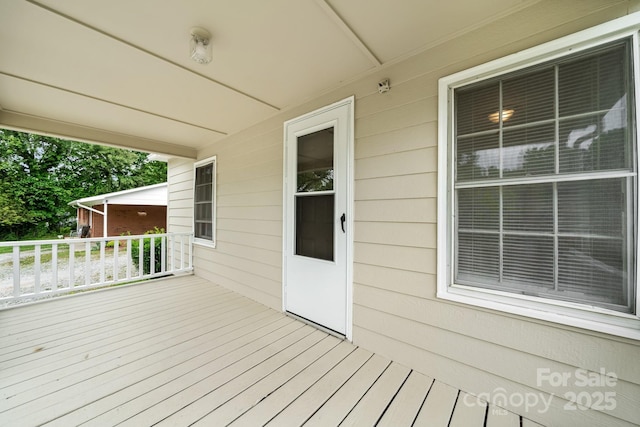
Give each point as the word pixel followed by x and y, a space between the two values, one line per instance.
pixel 184 351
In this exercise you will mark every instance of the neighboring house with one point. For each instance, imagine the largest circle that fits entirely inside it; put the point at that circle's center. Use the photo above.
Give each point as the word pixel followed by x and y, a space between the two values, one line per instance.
pixel 477 222
pixel 132 211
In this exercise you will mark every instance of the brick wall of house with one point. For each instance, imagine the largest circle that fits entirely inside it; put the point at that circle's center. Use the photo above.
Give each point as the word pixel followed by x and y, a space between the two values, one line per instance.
pixel 124 219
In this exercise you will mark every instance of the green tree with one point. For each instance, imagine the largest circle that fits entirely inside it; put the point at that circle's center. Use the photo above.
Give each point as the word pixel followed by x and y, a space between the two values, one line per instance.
pixel 40 175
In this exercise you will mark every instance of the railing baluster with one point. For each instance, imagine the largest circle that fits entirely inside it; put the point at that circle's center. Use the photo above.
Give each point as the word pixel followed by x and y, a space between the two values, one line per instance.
pixel 163 254
pixel 37 265
pixel 172 251
pixel 87 263
pixel 181 252
pixel 103 245
pixel 190 238
pixel 16 271
pixel 54 267
pixel 116 246
pixel 152 255
pixel 129 260
pixel 140 257
pixel 72 258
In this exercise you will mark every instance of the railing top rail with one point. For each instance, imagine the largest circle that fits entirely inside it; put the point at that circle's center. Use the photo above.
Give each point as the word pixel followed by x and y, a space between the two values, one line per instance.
pixel 76 240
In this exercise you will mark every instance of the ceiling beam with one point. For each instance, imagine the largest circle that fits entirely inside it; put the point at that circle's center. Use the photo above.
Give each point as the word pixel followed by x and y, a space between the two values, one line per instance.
pixel 337 19
pixel 116 104
pixel 27 123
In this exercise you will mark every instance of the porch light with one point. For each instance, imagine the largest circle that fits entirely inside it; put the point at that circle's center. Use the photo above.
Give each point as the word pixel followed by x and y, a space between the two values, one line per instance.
pixel 200 45
pixel 506 115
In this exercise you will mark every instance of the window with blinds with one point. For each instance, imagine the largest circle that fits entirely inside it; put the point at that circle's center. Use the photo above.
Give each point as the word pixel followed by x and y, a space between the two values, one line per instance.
pixel 204 200
pixel 543 173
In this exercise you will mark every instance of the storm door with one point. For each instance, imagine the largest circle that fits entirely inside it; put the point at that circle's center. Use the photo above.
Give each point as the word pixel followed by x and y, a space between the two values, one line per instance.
pixel 317 217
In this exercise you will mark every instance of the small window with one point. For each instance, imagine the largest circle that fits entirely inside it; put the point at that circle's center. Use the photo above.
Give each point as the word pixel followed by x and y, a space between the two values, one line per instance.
pixel 539 202
pixel 204 201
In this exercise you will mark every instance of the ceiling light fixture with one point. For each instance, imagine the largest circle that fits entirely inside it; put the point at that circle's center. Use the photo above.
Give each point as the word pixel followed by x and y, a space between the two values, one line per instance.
pixel 506 115
pixel 200 45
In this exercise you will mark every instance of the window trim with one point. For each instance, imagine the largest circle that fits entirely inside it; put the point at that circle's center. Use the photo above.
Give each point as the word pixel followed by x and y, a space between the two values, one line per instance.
pixel 198 240
pixel 562 312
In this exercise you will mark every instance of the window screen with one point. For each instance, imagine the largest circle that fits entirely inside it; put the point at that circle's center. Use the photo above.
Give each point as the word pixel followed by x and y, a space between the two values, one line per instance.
pixel 545 180
pixel 203 201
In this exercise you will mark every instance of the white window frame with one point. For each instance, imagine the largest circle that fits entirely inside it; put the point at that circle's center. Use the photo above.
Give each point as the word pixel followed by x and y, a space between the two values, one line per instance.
pixel 198 240
pixel 563 312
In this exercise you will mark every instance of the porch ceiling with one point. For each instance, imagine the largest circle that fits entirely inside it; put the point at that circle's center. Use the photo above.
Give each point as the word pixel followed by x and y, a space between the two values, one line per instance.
pixel 119 72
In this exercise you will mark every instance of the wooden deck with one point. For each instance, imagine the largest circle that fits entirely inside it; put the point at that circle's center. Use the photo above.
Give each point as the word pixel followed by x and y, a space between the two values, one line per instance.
pixel 184 351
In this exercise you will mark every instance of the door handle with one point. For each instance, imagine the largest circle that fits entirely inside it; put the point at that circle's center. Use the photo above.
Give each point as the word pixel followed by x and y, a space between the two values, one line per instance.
pixel 343 218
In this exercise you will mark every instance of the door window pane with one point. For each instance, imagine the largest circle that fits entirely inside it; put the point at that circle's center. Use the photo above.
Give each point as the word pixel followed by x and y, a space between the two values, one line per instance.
pixel 315 161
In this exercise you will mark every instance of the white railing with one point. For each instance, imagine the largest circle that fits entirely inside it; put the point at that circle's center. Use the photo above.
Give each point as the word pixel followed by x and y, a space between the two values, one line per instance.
pixel 42 268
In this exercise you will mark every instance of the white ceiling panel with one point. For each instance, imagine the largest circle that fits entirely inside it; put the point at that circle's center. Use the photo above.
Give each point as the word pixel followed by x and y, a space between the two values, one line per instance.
pixel 121 67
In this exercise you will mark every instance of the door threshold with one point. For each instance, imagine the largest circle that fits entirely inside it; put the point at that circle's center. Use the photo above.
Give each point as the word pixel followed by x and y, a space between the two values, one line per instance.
pixel 316 325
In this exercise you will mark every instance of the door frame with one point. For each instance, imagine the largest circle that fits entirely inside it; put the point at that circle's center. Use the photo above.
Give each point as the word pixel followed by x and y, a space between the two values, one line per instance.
pixel 287 163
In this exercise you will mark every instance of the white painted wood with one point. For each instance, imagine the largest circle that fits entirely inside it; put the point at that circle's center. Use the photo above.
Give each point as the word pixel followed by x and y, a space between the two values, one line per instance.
pixel 404 408
pixel 210 402
pixel 198 353
pixel 299 411
pixel 103 255
pixel 342 402
pixel 56 404
pixel 129 257
pixel 54 267
pixel 16 271
pixel 269 407
pixel 498 417
pixel 373 404
pixel 87 260
pixel 469 412
pixel 528 423
pixel 207 386
pixel 141 257
pixel 72 271
pixel 316 289
pixel 37 266
pixel 438 406
pixel 244 401
pixel 116 268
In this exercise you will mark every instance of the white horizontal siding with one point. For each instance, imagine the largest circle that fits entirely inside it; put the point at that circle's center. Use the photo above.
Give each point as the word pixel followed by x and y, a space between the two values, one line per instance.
pixel 396 312
pixel 180 182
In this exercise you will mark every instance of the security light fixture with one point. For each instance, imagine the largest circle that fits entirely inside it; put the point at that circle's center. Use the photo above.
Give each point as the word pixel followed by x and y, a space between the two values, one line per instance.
pixel 200 46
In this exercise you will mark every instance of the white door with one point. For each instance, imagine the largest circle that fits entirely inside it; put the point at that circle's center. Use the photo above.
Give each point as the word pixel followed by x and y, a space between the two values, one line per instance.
pixel 317 216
